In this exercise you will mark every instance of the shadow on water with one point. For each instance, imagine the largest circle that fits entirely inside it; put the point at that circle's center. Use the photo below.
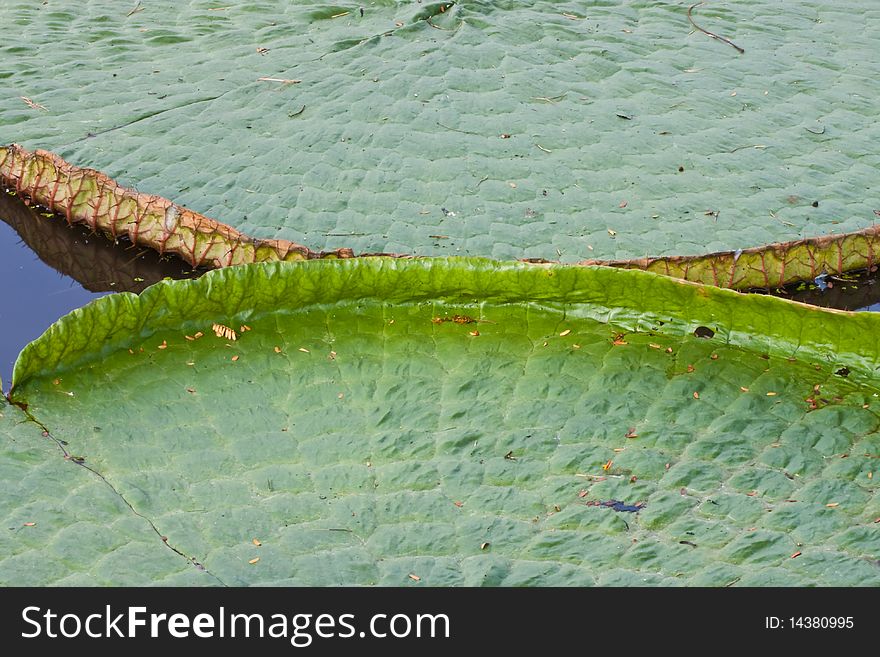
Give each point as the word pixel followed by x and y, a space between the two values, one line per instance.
pixel 48 268
pixel 853 291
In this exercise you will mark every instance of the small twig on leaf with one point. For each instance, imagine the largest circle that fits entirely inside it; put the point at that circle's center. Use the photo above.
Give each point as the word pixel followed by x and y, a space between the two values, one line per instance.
pixel 712 34
pixel 282 80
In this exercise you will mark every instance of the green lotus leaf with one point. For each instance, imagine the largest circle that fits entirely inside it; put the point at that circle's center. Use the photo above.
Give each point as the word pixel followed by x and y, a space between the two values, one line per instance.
pixel 447 422
pixel 62 524
pixel 494 128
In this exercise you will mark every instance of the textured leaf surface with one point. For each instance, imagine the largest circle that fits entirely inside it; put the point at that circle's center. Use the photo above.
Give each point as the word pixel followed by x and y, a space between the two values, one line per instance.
pixel 64 525
pixel 360 439
pixel 395 131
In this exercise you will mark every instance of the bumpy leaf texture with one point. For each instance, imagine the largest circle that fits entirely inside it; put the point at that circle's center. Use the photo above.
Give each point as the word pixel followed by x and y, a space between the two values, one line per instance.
pixel 463 421
pixel 506 129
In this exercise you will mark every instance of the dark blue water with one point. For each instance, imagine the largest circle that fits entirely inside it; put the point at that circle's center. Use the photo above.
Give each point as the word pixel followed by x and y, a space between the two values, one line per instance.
pixel 32 296
pixel 48 268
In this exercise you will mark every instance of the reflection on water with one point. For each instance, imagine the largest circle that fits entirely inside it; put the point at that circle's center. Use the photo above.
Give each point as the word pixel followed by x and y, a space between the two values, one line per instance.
pixel 856 291
pixel 48 268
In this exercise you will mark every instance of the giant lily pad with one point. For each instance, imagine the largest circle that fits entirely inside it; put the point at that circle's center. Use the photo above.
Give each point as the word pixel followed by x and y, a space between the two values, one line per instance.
pixel 509 129
pixel 438 422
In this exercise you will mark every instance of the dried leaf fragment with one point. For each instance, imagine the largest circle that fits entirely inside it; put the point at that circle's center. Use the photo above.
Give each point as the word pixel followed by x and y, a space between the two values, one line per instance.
pixel 225 332
pixel 32 104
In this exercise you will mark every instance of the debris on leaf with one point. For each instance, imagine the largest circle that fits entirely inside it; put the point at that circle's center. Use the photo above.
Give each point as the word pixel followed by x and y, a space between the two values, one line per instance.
pixel 415 578
pixel 617 505
pixel 254 560
pixel 257 542
pixel 222 331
